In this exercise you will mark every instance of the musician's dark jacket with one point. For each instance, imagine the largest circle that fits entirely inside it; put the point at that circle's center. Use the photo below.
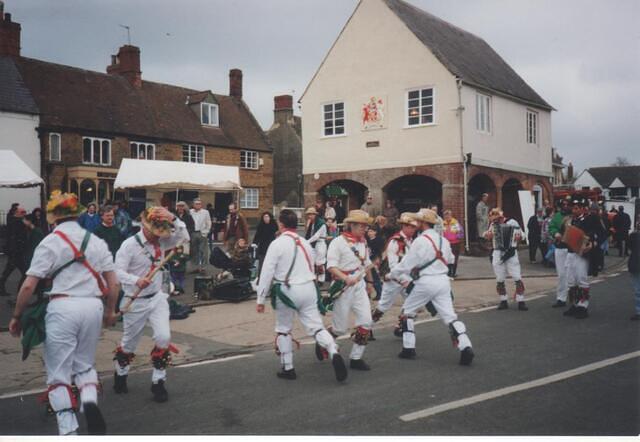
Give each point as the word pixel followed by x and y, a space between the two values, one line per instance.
pixel 634 247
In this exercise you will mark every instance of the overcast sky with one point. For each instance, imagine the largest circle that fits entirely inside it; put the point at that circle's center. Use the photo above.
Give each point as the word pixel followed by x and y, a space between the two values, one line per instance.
pixel 581 56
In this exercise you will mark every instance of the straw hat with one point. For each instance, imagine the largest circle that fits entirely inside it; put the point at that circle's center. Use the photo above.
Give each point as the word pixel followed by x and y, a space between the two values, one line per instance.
pixel 311 211
pixel 428 216
pixel 358 217
pixel 409 218
pixel 496 213
pixel 158 221
pixel 63 205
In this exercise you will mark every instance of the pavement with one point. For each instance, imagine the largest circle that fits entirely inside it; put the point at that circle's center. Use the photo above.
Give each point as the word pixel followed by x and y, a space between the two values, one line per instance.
pixel 535 373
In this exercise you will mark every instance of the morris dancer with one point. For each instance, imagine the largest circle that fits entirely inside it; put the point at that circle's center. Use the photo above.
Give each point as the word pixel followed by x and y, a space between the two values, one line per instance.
pixel 557 227
pixel 424 274
pixel 347 259
pixel 137 257
pixel 77 261
pixel 577 265
pixel 504 258
pixel 288 274
pixel 316 234
pixel 397 247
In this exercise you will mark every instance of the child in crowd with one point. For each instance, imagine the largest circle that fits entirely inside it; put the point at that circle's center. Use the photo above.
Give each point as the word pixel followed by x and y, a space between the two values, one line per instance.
pixel 178 268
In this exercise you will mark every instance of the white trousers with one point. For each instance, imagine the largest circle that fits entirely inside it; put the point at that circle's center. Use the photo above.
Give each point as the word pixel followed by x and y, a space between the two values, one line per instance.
pixel 304 297
pixel 577 268
pixel 561 269
pixel 390 292
pixel 73 329
pixel 510 267
pixel 154 311
pixel 320 252
pixel 353 300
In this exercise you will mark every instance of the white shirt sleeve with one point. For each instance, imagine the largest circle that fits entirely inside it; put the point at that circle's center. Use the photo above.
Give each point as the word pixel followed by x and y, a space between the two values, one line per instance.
pixel 123 258
pixel 321 233
pixel 333 254
pixel 392 253
pixel 412 259
pixel 179 236
pixel 43 260
pixel 447 253
pixel 268 271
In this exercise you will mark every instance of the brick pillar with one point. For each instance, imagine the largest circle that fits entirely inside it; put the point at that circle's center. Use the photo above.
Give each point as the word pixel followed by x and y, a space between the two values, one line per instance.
pixel 453 199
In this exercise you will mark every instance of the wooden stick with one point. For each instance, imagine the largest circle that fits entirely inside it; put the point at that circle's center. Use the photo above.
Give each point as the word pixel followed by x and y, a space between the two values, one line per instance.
pixel 149 275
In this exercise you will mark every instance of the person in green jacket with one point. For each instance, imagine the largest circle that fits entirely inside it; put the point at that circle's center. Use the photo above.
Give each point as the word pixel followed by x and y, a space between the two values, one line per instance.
pixel 108 231
pixel 34 236
pixel 556 230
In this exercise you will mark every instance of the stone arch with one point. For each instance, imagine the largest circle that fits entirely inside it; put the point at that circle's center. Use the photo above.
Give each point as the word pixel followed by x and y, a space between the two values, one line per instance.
pixel 350 193
pixel 510 199
pixel 480 183
pixel 87 192
pixel 412 192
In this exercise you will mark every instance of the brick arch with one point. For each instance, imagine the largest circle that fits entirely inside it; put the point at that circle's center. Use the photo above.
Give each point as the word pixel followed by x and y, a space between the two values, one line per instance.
pixel 413 191
pixel 356 193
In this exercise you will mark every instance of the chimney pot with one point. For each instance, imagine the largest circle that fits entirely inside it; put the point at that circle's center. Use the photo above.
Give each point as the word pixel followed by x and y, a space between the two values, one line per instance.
pixel 7 17
pixel 127 65
pixel 283 102
pixel 235 83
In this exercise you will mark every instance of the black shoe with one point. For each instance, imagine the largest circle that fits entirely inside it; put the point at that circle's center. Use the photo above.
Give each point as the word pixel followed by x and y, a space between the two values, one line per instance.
pixel 339 367
pixel 503 305
pixel 160 393
pixel 522 306
pixel 466 356
pixel 95 421
pixel 571 311
pixel 321 353
pixel 397 332
pixel 287 374
pixel 120 384
pixel 559 303
pixel 359 364
pixel 407 353
pixel 581 313
pixel 635 317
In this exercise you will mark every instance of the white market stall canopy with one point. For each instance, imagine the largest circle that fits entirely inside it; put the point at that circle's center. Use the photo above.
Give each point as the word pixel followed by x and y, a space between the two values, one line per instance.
pixel 172 175
pixel 15 173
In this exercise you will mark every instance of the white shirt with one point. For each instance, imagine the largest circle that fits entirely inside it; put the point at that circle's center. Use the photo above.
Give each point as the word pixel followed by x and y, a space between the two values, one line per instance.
pixel 278 261
pixel 421 252
pixel 76 280
pixel 342 257
pixel 202 221
pixel 320 234
pixel 134 262
pixel 393 248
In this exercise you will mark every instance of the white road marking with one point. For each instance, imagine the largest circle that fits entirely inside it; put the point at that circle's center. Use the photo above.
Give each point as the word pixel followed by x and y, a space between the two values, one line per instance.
pixel 422 321
pixel 213 361
pixel 595 281
pixel 613 275
pixel 21 393
pixel 427 412
pixel 483 309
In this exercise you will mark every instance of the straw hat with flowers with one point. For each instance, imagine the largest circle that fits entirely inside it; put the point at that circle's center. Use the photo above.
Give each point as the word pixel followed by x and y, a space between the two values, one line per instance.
pixel 63 205
pixel 158 221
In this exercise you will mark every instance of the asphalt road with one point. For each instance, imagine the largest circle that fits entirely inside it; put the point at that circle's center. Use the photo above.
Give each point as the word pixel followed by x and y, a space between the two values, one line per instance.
pixel 243 396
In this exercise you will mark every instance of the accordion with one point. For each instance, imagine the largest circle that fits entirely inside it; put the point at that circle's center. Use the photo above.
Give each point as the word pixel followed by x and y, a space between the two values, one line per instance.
pixel 575 238
pixel 504 236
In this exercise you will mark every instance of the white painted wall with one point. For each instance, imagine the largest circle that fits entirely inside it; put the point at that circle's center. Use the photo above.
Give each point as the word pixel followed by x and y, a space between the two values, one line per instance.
pixel 585 179
pixel 18 133
pixel 377 55
pixel 506 146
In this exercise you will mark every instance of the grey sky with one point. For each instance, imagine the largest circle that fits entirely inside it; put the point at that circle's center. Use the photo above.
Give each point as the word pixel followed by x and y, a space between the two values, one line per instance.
pixel 582 56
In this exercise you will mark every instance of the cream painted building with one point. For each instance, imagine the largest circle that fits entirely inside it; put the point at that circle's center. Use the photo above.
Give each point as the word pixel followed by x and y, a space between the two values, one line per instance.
pixel 410 108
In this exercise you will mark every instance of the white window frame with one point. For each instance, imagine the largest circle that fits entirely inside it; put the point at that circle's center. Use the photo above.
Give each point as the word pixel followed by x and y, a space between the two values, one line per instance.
pixel 484 113
pixel 51 156
pixel 420 106
pixel 333 111
pixel 249 159
pixel 532 129
pixel 205 109
pixel 192 153
pixel 101 140
pixel 146 146
pixel 250 203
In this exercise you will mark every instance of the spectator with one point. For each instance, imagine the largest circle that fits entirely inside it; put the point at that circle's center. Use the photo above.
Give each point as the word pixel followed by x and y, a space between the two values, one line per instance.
pixel 108 231
pixel 454 233
pixel 382 227
pixel 634 269
pixel 182 212
pixel 236 228
pixel 177 269
pixel 329 211
pixel 340 212
pixel 332 229
pixel 376 246
pixel 123 219
pixel 391 213
pixel 40 220
pixel 545 237
pixel 240 257
pixel 265 234
pixel 534 227
pixel 15 247
pixel 622 225
pixel 34 236
pixel 90 219
pixel 369 207
pixel 199 241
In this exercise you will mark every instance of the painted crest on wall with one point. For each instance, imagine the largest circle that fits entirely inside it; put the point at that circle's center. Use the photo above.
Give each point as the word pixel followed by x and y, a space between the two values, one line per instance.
pixel 373 113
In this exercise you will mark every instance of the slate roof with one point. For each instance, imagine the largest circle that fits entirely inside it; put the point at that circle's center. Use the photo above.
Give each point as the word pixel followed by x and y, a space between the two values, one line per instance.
pixel 629 175
pixel 14 96
pixel 468 57
pixel 70 97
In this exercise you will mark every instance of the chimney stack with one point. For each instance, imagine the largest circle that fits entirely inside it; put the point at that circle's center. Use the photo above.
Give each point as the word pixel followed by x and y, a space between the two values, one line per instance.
pixel 9 34
pixel 283 108
pixel 235 83
pixel 127 64
pixel 570 172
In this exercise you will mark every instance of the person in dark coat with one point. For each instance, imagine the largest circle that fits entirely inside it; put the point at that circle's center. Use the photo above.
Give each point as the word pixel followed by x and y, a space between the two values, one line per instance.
pixel 598 235
pixel 182 212
pixel 534 228
pixel 376 244
pixel 634 270
pixel 108 231
pixel 622 225
pixel 34 236
pixel 265 234
pixel 16 246
pixel 40 220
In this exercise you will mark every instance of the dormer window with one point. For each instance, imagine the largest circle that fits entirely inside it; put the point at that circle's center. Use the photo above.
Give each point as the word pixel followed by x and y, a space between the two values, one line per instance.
pixel 209 114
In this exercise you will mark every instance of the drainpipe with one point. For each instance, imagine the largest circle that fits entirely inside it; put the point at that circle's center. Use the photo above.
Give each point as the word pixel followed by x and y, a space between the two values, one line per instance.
pixel 464 167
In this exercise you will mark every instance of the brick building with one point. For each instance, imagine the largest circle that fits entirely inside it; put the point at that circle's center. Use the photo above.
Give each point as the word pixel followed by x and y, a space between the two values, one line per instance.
pixel 410 108
pixel 90 121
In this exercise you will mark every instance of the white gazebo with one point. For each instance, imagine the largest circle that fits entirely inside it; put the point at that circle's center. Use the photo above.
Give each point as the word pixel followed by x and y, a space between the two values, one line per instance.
pixel 15 174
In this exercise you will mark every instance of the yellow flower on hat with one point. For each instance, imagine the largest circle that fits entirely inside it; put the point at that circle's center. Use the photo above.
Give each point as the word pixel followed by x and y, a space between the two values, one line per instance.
pixel 63 205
